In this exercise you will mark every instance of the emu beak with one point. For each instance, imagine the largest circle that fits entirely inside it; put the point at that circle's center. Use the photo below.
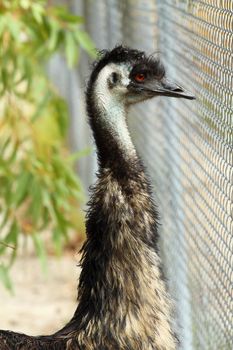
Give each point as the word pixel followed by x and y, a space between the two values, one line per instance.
pixel 166 88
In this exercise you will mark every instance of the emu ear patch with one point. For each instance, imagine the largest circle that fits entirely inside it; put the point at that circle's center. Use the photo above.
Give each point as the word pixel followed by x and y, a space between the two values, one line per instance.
pixel 113 79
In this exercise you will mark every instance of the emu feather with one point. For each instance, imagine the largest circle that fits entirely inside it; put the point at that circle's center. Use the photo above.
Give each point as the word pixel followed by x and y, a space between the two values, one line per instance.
pixel 123 303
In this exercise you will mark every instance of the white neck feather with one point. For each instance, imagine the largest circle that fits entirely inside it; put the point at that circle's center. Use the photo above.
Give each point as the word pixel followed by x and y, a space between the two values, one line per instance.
pixel 112 108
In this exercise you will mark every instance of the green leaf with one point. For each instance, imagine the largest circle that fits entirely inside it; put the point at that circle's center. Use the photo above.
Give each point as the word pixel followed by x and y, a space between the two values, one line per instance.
pixel 61 221
pixel 71 49
pixel 3 24
pixel 48 204
pixel 35 209
pixel 5 217
pixel 12 236
pixel 54 35
pixel 12 155
pixel 85 42
pixel 61 114
pixel 79 154
pixel 22 188
pixel 5 278
pixel 11 241
pixel 57 241
pixel 4 78
pixel 38 12
pixel 5 144
pixel 66 16
pixel 14 27
pixel 40 251
pixel 41 105
pixel 25 4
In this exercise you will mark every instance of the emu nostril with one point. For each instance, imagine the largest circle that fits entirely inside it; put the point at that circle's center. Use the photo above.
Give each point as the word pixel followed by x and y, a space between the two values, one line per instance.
pixel 178 89
pixel 168 85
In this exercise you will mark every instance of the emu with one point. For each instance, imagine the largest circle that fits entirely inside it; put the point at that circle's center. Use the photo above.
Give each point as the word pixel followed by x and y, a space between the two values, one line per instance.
pixel 123 303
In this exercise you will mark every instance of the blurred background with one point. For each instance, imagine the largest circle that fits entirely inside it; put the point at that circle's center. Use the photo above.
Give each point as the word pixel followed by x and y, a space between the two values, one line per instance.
pixel 48 159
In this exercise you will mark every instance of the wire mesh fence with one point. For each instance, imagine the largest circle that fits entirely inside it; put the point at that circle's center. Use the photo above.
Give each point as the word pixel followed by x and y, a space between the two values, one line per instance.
pixel 197 38
pixel 187 147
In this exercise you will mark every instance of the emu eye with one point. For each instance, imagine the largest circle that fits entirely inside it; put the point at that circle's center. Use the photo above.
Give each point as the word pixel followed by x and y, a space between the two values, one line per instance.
pixel 139 77
pixel 114 77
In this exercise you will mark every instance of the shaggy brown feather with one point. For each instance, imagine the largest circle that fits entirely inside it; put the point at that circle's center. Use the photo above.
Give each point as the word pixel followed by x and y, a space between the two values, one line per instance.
pixel 122 299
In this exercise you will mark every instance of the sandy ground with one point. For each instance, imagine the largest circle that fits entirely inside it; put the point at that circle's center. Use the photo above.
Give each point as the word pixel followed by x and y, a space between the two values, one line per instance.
pixel 40 304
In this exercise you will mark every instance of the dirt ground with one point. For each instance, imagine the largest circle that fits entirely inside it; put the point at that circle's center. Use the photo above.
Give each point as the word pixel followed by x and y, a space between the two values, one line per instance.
pixel 40 304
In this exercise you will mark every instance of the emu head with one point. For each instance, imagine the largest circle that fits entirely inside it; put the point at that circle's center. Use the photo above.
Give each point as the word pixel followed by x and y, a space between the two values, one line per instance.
pixel 126 76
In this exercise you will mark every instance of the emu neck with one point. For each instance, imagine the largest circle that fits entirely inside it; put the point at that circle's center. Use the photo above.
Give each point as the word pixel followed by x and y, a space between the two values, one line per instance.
pixel 110 130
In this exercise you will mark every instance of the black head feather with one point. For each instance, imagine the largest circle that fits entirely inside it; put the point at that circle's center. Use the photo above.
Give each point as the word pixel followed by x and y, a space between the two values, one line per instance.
pixel 149 65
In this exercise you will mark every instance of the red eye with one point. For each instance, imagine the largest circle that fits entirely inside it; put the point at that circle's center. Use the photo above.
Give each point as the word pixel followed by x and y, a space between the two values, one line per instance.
pixel 139 77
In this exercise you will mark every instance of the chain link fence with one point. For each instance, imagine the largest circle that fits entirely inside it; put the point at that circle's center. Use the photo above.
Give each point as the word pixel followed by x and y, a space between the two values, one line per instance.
pixel 187 147
pixel 197 169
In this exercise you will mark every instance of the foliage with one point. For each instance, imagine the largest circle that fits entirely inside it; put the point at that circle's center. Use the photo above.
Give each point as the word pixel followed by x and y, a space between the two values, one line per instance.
pixel 39 188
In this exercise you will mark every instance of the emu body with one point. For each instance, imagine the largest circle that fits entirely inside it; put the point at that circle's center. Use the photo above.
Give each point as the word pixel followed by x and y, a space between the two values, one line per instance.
pixel 122 299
